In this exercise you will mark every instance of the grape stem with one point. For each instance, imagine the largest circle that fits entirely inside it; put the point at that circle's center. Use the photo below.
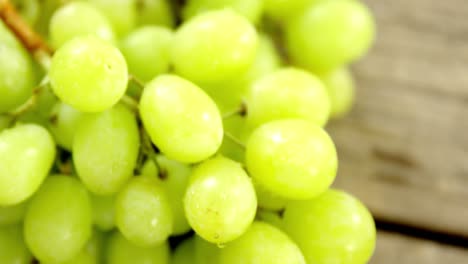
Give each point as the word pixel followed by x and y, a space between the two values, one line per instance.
pixel 130 102
pixel 148 149
pixel 30 103
pixel 241 110
pixel 234 139
pixel 31 40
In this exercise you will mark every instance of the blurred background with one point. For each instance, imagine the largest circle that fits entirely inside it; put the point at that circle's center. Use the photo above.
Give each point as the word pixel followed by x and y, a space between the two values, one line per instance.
pixel 404 148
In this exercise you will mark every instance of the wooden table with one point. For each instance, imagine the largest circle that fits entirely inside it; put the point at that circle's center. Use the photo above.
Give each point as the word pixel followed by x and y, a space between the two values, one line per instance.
pixel 404 148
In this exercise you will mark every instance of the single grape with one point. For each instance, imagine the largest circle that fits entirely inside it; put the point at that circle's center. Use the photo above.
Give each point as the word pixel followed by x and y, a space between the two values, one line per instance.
pixel 250 9
pixel 121 251
pixel 58 220
pixel 291 158
pixel 12 214
pixel 340 88
pixel 287 93
pixel 205 252
pixel 16 74
pixel 185 252
pixel 173 177
pixel 29 9
pixel 78 19
pixel 147 51
pixel 269 200
pixel 155 12
pixel 220 201
pixel 63 122
pixel 88 74
pixel 190 132
pixel 26 156
pixel 332 228
pixel 14 250
pixel 230 51
pixel 103 211
pixel 329 34
pixel 122 14
pixel 105 149
pixel 262 243
pixel 143 212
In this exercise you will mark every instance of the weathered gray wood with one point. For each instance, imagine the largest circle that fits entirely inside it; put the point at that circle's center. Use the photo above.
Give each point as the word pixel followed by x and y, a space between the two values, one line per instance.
pixel 404 147
pixel 397 249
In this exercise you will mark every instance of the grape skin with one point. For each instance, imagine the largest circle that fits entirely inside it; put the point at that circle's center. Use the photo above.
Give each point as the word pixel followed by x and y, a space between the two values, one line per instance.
pixel 231 52
pixel 292 158
pixel 88 74
pixel 191 133
pixel 220 201
pixel 64 27
pixel 26 156
pixel 332 228
pixel 58 220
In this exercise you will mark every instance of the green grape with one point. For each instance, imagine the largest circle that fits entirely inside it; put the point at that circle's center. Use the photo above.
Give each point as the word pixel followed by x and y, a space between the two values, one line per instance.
pixel 205 252
pixel 269 200
pixel 103 211
pixel 190 132
pixel 270 217
pixel 287 93
pixel 63 122
pixel 105 149
pixel 122 251
pixel 332 228
pixel 26 156
pixel 122 14
pixel 88 74
pixel 13 249
pixel 58 220
pixel 250 9
pixel 89 254
pixel 29 9
pixel 340 87
pixel 147 51
pixel 330 34
pixel 143 212
pixel 185 252
pixel 262 243
pixel 155 12
pixel 220 201
pixel 230 51
pixel 78 19
pixel 266 60
pixel 173 177
pixel 292 158
pixel 16 74
pixel 12 214
pixel 284 10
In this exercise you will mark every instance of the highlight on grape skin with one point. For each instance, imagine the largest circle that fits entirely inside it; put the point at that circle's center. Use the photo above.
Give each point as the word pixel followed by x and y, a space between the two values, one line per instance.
pixel 158 132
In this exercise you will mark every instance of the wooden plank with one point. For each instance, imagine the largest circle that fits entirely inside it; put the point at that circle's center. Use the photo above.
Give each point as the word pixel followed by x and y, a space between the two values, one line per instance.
pixel 404 148
pixel 395 248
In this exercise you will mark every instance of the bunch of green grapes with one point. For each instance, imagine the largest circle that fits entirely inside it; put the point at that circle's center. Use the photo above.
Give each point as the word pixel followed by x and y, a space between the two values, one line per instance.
pixel 158 132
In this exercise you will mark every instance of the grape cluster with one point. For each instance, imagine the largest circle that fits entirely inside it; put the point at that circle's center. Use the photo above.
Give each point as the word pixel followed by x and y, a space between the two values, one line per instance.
pixel 161 132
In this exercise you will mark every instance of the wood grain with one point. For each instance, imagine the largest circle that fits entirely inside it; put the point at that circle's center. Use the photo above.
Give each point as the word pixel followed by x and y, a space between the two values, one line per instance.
pixel 394 248
pixel 404 148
